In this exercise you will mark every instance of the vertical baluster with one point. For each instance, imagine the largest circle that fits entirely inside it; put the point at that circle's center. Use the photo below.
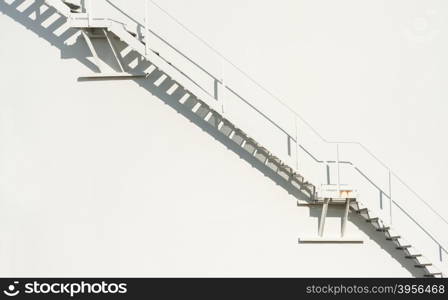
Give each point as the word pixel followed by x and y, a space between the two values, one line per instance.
pixel 338 169
pixel 215 89
pixel 223 85
pixel 297 142
pixel 89 12
pixel 288 142
pixel 147 49
pixel 390 198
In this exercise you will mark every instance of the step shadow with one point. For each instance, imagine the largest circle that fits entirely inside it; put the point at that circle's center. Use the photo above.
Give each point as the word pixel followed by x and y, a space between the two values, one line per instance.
pixel 378 237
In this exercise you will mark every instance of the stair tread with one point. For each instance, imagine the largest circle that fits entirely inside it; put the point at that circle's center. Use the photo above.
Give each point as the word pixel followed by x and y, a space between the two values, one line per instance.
pixel 423 265
pixel 403 247
pixel 384 229
pixel 372 219
pixel 432 269
pixel 412 251
pixel 413 256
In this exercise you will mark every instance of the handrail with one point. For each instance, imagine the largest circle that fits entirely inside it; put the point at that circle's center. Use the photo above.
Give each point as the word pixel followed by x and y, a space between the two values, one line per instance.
pixel 393 173
pixel 384 193
pixel 367 150
pixel 421 227
pixel 278 100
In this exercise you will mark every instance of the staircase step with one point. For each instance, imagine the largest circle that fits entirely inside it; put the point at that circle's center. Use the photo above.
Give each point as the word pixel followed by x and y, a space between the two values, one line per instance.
pixel 383 229
pixel 360 205
pixel 273 163
pixel 250 146
pixel 214 120
pixel 423 265
pixel 393 238
pixel 371 220
pixel 362 210
pixel 203 111
pixel 262 155
pixel 413 250
pixel 226 128
pixel 191 102
pixel 298 178
pixel 284 172
pixel 438 274
pixel 238 137
pixel 403 247
pixel 432 270
pixel 413 256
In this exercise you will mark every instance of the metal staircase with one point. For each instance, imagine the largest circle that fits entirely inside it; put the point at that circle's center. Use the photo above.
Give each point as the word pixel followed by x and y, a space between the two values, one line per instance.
pixel 209 108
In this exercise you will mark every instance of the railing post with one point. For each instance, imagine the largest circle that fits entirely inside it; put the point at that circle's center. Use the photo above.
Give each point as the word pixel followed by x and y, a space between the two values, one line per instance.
pixel 89 12
pixel 215 89
pixel 221 97
pixel 390 198
pixel 217 94
pixel 323 216
pixel 338 168
pixel 147 49
pixel 381 199
pixel 345 217
pixel 440 252
pixel 297 142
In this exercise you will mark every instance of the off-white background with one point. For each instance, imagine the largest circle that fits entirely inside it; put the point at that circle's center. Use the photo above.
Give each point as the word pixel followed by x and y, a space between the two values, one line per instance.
pixel 104 179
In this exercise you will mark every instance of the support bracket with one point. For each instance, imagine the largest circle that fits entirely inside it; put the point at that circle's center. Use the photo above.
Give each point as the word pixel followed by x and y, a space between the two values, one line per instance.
pixel 332 196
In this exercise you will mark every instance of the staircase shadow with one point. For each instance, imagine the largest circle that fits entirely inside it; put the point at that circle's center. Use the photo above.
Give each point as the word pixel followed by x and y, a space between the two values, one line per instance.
pixel 79 51
pixel 135 64
pixel 376 236
pixel 33 17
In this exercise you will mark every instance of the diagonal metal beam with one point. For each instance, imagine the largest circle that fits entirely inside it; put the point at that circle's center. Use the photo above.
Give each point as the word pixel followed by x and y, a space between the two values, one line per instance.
pixel 323 216
pixel 345 218
pixel 92 50
pixel 114 50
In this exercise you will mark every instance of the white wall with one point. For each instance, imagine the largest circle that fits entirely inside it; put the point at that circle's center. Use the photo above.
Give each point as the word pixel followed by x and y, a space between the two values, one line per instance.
pixel 105 179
